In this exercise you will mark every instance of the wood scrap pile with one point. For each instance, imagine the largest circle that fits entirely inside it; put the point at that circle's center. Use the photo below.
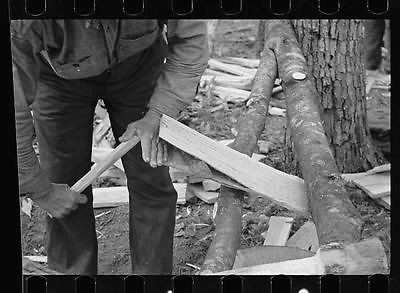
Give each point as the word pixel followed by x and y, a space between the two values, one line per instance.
pixel 205 189
pixel 229 80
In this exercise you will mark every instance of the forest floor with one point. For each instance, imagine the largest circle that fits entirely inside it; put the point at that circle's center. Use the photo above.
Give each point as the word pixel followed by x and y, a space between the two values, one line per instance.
pixel 194 223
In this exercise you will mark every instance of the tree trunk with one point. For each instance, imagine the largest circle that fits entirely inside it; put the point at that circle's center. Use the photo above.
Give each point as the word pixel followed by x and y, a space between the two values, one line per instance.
pixel 333 50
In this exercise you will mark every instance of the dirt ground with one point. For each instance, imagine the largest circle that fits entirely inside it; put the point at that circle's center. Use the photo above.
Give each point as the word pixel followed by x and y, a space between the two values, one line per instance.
pixel 194 224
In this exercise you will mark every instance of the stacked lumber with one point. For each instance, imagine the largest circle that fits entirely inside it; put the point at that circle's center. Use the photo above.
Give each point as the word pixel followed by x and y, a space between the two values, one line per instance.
pixel 375 183
pixel 230 79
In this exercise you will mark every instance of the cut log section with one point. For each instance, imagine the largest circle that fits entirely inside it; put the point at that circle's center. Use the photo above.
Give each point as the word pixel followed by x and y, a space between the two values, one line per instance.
pixel 37 258
pixel 181 191
pixel 305 238
pixel 284 189
pixel 278 231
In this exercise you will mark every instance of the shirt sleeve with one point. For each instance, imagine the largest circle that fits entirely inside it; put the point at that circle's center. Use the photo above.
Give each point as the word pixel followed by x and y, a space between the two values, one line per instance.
pixel 186 61
pixel 25 75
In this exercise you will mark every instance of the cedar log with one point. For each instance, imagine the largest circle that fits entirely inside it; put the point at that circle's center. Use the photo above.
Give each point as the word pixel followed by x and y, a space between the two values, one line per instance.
pixel 222 251
pixel 335 217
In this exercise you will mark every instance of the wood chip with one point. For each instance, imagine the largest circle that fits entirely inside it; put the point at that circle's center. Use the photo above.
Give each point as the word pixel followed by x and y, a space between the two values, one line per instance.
pixel 206 196
pixel 278 231
pixel 305 237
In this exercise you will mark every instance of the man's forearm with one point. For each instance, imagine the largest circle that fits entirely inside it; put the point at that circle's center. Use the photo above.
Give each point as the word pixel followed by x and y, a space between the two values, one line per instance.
pixel 185 63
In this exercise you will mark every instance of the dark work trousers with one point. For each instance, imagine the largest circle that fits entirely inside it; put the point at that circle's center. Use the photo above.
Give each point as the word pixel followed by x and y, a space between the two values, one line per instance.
pixel 373 41
pixel 63 113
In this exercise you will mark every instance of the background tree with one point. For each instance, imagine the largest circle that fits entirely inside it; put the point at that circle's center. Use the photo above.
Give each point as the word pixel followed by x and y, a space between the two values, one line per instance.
pixel 334 54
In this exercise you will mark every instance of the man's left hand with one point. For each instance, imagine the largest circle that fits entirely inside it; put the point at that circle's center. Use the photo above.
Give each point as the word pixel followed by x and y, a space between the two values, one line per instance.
pixel 154 151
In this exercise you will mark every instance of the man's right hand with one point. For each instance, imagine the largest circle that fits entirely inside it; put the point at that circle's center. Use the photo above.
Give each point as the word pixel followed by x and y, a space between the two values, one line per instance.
pixel 60 200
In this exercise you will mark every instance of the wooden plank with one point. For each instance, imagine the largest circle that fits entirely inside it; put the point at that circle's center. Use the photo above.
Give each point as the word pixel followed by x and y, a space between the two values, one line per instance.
pixel 210 185
pixel 305 238
pixel 376 185
pixel 231 68
pixel 36 268
pixel 379 169
pixel 384 201
pixel 366 257
pixel 304 266
pixel 209 197
pixel 37 258
pixel 259 255
pixel 283 189
pixel 118 195
pixel 177 175
pixel 250 63
pixel 181 191
pixel 105 197
pixel 278 231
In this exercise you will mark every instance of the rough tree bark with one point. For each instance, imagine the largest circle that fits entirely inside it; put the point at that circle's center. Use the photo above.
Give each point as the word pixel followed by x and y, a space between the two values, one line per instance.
pixel 334 54
pixel 334 216
pixel 222 251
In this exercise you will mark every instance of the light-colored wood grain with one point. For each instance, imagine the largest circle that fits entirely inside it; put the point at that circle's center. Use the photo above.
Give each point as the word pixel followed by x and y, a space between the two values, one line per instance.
pixel 278 231
pixel 250 63
pixel 100 167
pixel 305 238
pixel 303 266
pixel 210 185
pixel 177 175
pixel 37 258
pixel 376 185
pixel 379 169
pixel 106 197
pixel 209 197
pixel 118 195
pixel 283 189
pixel 384 201
pixel 231 68
pixel 181 191
pixel 260 255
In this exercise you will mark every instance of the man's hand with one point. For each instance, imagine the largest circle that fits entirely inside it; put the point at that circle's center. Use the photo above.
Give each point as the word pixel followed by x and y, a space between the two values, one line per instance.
pixel 154 151
pixel 60 200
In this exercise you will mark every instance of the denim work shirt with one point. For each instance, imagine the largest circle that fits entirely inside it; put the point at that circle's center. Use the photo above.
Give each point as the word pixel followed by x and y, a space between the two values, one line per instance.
pixel 77 49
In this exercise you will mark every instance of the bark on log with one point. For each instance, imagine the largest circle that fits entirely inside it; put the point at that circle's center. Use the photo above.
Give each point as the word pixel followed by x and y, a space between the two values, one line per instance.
pixel 333 50
pixel 222 251
pixel 335 217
